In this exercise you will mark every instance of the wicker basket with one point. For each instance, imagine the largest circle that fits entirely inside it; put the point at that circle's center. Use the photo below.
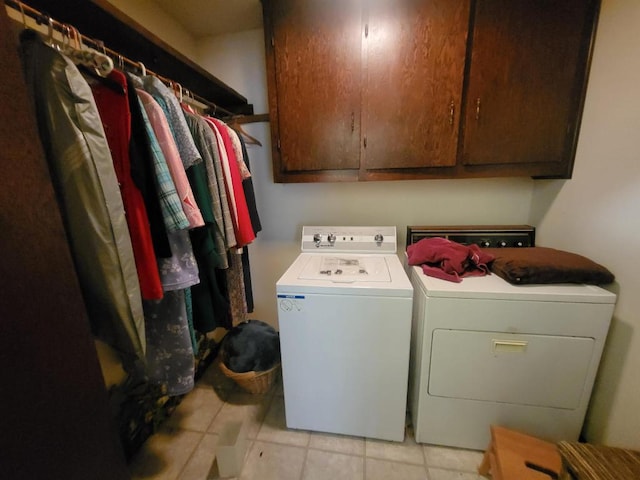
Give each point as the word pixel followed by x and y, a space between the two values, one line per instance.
pixel 252 382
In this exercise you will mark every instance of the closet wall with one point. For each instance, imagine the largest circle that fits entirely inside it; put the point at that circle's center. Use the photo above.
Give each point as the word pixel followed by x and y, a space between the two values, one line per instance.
pixel 55 420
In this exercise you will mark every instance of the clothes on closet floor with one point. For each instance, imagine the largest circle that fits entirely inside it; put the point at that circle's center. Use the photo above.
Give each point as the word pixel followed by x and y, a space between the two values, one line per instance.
pixel 158 205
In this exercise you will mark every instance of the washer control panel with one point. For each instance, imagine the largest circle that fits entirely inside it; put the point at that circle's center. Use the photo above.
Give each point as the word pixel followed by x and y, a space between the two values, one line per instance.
pixel 349 239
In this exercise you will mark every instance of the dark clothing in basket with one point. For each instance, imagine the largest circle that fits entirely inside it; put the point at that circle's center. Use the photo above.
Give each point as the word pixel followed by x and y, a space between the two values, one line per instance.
pixel 251 346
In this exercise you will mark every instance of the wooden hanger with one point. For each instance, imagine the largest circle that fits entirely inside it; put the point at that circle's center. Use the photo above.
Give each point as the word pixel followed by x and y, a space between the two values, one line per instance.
pixel 233 123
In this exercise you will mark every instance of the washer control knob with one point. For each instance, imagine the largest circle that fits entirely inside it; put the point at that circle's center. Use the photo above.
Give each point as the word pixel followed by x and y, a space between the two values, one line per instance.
pixel 503 243
pixel 378 238
pixel 331 238
pixel 520 244
pixel 485 243
pixel 317 238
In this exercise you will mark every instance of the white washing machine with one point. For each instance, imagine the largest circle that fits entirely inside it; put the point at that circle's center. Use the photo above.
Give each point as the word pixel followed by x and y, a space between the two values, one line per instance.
pixel 344 312
pixel 487 352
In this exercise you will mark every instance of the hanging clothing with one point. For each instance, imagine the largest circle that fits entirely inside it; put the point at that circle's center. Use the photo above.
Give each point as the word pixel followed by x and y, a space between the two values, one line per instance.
pixel 205 141
pixel 169 350
pixel 210 307
pixel 210 303
pixel 237 150
pixel 172 213
pixel 87 190
pixel 170 332
pixel 244 231
pixel 244 234
pixel 221 165
pixel 188 151
pixel 113 106
pixel 247 185
pixel 143 173
pixel 189 309
pixel 162 130
pixel 180 270
pixel 236 289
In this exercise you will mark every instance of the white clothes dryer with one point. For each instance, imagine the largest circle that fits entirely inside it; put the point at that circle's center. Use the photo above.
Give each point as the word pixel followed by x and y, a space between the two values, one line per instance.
pixel 344 313
pixel 486 352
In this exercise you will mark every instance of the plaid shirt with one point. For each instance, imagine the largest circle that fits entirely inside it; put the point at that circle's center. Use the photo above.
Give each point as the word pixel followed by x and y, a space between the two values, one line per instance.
pixel 172 212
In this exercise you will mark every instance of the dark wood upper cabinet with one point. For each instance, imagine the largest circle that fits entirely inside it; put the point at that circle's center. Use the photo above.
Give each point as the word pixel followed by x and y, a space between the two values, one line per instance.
pixel 413 73
pixel 380 90
pixel 315 74
pixel 526 84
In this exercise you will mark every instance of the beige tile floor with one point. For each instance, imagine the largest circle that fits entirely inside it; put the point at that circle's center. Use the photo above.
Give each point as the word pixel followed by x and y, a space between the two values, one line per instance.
pixel 185 446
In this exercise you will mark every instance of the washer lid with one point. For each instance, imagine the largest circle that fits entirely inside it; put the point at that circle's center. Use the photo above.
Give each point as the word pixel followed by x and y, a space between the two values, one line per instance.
pixel 494 287
pixel 386 277
pixel 346 268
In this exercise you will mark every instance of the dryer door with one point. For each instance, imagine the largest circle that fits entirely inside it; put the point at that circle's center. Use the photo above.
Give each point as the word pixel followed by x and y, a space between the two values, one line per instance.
pixel 539 370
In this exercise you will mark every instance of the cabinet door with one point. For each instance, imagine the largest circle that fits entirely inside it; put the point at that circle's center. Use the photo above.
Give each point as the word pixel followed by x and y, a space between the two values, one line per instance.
pixel 316 49
pixel 414 67
pixel 526 83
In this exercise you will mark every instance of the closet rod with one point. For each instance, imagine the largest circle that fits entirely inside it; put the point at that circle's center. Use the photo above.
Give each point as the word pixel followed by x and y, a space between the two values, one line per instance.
pixel 242 119
pixel 119 60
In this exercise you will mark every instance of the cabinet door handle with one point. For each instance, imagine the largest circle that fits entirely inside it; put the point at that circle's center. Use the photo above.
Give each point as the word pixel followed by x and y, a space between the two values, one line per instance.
pixel 452 112
pixel 353 121
pixel 478 109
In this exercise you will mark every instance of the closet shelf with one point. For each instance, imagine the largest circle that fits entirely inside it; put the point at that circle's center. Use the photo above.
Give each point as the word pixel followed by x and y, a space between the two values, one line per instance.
pixel 100 20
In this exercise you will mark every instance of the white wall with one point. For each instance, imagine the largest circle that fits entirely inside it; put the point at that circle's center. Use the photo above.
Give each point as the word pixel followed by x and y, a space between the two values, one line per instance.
pixel 596 214
pixel 148 14
pixel 238 59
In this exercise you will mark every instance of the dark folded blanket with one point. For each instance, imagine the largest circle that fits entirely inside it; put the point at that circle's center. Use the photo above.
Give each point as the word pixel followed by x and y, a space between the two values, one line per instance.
pixel 522 266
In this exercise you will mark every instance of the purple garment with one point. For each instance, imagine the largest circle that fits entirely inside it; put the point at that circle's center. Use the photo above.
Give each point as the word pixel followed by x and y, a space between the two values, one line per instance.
pixel 169 350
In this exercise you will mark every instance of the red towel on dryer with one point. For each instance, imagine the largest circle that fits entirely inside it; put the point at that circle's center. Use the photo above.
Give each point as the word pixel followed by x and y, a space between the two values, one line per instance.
pixel 447 260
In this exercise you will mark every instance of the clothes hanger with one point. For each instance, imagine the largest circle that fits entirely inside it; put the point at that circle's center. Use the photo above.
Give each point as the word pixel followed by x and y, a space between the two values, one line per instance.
pixel 187 103
pixel 233 123
pixel 80 54
pixel 88 68
pixel 50 41
pixel 24 17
